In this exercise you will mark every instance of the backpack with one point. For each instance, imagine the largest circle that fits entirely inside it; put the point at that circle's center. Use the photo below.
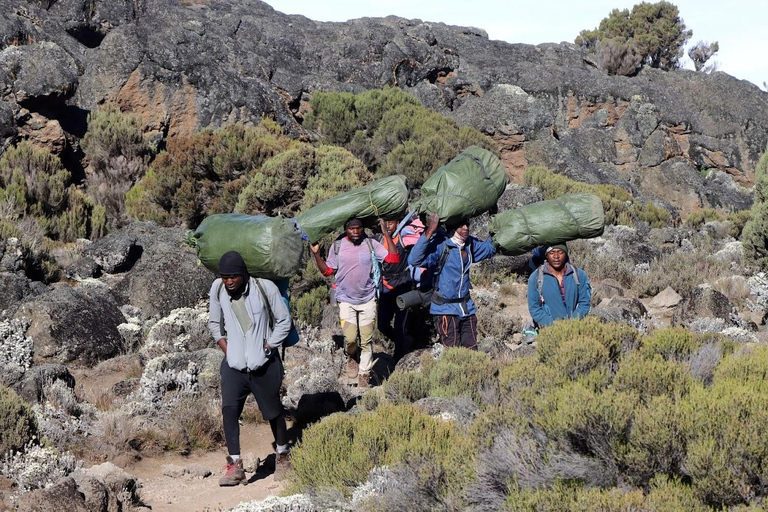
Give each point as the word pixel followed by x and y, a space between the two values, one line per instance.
pixel 293 335
pixel 376 275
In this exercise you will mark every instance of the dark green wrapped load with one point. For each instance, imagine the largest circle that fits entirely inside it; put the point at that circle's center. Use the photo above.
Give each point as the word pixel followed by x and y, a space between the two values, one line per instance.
pixel 555 221
pixel 385 198
pixel 467 186
pixel 271 246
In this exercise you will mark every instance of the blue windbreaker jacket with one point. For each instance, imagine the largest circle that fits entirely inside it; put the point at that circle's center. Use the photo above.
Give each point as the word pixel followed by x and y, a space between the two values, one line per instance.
pixel 453 281
pixel 575 305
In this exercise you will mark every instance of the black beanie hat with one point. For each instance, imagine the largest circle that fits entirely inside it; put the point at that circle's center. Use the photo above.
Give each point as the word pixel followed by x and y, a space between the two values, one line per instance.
pixel 232 264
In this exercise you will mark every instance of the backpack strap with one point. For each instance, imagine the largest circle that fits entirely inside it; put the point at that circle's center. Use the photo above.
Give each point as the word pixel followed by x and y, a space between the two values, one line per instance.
pixel 221 319
pixel 375 268
pixel 440 264
pixel 540 280
pixel 266 303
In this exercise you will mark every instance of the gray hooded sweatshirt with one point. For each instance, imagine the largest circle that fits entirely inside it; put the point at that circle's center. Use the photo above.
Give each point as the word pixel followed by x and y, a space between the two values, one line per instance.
pixel 245 350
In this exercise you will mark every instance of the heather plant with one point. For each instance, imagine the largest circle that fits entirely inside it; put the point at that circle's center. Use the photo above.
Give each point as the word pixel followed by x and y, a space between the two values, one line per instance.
pixel 203 173
pixel 671 343
pixel 680 271
pixel 390 132
pixel 754 236
pixel 117 156
pixel 648 377
pixel 654 31
pixel 699 217
pixel 566 496
pixel 341 450
pixel 552 340
pixel 18 425
pixel 619 205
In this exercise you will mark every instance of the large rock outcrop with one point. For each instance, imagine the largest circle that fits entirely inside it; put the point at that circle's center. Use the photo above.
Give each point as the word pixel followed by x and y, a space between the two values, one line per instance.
pixel 185 65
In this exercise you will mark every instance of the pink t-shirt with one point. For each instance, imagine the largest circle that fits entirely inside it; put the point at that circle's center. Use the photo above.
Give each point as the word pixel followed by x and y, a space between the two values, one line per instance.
pixel 354 283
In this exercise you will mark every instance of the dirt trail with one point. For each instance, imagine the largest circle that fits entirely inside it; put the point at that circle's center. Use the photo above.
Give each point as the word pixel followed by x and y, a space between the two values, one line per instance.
pixel 190 493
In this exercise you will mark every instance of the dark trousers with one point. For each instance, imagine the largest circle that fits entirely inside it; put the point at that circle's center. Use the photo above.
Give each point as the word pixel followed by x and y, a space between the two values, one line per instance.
pixel 388 311
pixel 454 331
pixel 264 383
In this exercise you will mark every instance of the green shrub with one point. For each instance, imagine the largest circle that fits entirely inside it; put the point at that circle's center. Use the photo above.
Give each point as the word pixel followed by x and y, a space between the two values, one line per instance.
pixel 339 451
pixel 701 216
pixel 738 220
pixel 203 173
pixel 648 377
pixel 309 306
pixel 672 495
pixel 612 336
pixel 18 425
pixel 117 157
pixel 336 171
pixel 618 204
pixel 672 343
pixel 390 131
pixel 754 236
pixel 404 387
pixel 579 356
pixel 460 372
pixel 572 497
pixel 656 442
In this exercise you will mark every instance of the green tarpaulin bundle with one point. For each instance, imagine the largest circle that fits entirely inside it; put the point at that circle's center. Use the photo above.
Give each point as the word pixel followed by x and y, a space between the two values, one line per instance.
pixel 385 198
pixel 467 186
pixel 555 221
pixel 271 246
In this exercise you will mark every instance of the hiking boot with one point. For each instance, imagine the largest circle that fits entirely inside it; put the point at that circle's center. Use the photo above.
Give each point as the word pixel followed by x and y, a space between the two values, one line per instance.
pixel 352 368
pixel 362 380
pixel 282 465
pixel 234 473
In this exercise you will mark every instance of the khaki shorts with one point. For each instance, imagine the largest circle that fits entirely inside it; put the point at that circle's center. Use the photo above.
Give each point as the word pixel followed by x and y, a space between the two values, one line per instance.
pixel 358 314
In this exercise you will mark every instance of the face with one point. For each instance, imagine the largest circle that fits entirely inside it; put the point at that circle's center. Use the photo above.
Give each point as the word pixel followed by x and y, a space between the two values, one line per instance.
pixel 232 282
pixel 354 232
pixel 391 226
pixel 463 230
pixel 556 258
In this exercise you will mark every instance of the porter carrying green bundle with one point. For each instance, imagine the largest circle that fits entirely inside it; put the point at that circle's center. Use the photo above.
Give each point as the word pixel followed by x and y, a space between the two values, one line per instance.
pixel 383 198
pixel 270 246
pixel 555 221
pixel 467 186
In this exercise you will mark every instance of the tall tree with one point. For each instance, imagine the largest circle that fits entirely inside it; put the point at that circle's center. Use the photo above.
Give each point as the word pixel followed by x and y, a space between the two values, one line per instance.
pixel 654 32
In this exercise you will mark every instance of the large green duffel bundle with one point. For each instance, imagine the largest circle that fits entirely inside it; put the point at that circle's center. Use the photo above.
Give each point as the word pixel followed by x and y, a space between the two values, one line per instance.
pixel 467 186
pixel 271 247
pixel 385 198
pixel 555 221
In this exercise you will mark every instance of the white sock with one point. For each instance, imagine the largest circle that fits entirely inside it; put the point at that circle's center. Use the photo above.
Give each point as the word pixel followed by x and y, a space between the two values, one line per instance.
pixel 235 458
pixel 282 448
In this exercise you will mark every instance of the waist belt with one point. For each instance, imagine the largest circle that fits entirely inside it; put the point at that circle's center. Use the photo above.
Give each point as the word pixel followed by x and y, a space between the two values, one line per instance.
pixel 439 299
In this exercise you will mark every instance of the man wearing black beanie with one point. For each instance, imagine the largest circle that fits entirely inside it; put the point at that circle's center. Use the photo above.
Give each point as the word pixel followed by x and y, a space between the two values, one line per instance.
pixel 251 361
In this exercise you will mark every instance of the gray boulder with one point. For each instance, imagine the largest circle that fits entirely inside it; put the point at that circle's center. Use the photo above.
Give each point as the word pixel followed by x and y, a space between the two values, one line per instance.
pixel 73 324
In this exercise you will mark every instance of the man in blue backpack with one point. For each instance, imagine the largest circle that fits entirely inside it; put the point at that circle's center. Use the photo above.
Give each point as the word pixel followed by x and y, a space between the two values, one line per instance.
pixel 450 259
pixel 557 289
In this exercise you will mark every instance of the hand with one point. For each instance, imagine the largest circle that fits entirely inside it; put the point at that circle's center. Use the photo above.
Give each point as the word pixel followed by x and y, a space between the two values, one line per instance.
pixel 222 342
pixel 432 223
pixel 315 248
pixel 267 349
pixel 382 225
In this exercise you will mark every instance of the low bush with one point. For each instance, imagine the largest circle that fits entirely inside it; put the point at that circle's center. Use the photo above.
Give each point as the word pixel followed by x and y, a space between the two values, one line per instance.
pixel 18 425
pixel 681 271
pixel 339 451
pixel 573 497
pixel 649 377
pixel 613 336
pixel 672 343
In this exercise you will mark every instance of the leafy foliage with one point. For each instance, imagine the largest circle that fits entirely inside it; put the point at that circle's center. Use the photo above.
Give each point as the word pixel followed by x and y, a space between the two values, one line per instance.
pixel 701 52
pixel 390 132
pixel 203 173
pixel 117 156
pixel 654 32
pixel 754 236
pixel 18 425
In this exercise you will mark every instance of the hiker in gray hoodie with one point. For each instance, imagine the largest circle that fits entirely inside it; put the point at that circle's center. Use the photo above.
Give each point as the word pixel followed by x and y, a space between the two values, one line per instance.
pixel 251 360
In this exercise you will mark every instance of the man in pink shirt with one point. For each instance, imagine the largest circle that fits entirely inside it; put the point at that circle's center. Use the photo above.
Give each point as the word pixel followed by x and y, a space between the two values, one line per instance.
pixel 351 258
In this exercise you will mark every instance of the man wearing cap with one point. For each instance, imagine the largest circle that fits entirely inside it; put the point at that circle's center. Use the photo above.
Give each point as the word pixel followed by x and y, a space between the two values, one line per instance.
pixel 557 289
pixel 449 258
pixel 239 321
pixel 351 258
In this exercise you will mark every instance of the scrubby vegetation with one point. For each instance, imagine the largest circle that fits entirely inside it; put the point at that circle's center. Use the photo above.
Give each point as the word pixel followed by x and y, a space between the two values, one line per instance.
pixel 18 425
pixel 755 233
pixel 597 404
pixel 390 132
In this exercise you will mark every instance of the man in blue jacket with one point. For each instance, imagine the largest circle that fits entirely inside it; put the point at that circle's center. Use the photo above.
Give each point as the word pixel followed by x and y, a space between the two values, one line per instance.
pixel 450 259
pixel 557 289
